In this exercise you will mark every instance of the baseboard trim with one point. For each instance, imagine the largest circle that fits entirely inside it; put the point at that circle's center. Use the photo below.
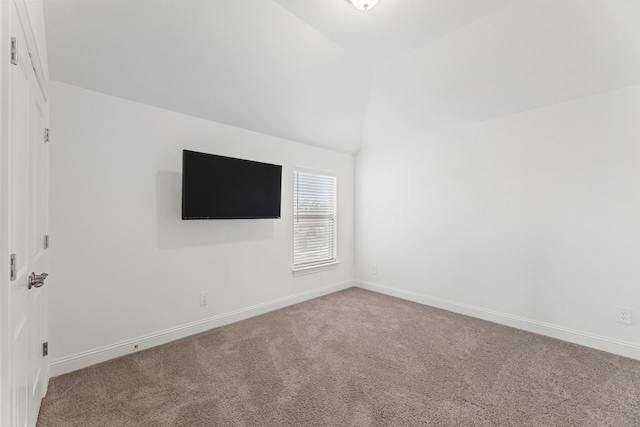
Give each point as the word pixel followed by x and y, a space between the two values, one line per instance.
pixel 88 358
pixel 598 342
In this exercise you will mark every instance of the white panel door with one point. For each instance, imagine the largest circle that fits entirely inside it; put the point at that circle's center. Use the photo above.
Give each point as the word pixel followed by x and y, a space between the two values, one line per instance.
pixel 28 161
pixel 37 369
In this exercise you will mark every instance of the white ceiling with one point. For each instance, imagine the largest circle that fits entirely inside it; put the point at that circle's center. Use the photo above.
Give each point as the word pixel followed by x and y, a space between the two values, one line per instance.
pixel 323 73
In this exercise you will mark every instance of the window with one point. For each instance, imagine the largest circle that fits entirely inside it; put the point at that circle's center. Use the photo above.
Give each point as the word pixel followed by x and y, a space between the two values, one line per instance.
pixel 314 219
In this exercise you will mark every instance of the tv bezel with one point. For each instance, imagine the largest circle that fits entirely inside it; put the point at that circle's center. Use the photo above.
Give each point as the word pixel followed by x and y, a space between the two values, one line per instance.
pixel 191 218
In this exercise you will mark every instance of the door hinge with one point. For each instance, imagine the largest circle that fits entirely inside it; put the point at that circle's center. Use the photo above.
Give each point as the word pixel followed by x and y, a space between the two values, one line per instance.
pixel 14 51
pixel 46 241
pixel 13 268
pixel 46 134
pixel 45 349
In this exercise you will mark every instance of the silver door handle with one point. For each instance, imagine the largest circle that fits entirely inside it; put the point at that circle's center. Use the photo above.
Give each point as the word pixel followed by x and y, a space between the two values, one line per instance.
pixel 37 280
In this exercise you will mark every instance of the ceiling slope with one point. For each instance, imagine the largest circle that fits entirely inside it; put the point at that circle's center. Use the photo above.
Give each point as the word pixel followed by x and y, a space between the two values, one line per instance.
pixel 325 74
pixel 250 64
pixel 526 55
pixel 299 70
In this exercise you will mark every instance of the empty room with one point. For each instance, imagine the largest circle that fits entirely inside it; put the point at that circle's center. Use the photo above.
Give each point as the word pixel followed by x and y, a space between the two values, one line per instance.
pixel 319 213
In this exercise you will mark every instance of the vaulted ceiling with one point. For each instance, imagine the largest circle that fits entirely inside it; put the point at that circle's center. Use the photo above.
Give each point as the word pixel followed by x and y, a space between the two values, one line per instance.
pixel 326 74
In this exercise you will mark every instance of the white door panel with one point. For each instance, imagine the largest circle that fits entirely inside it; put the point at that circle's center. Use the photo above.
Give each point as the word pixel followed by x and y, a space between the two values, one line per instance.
pixel 19 101
pixel 27 224
pixel 37 253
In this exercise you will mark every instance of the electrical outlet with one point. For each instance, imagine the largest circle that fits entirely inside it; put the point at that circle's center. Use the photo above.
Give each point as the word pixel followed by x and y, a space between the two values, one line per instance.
pixel 374 269
pixel 623 315
pixel 204 298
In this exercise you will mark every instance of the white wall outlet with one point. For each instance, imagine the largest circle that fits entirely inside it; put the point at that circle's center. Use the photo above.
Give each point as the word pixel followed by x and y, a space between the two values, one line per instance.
pixel 204 298
pixel 623 315
pixel 374 269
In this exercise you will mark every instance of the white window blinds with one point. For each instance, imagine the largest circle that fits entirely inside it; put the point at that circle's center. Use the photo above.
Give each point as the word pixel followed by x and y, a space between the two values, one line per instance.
pixel 314 219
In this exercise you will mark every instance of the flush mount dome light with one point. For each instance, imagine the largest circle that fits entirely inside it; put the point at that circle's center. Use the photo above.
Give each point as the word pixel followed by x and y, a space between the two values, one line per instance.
pixel 363 4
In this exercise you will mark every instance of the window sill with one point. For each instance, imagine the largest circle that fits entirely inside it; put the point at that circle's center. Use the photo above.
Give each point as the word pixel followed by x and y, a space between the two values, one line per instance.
pixel 314 269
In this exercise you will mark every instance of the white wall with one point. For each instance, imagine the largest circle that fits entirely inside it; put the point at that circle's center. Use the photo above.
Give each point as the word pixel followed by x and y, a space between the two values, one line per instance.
pixel 124 266
pixel 531 219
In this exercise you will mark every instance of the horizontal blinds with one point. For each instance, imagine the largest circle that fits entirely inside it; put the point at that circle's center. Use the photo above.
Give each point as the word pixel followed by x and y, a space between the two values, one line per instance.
pixel 314 222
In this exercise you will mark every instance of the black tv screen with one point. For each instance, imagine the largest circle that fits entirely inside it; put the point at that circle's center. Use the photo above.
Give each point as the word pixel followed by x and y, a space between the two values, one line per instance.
pixel 218 187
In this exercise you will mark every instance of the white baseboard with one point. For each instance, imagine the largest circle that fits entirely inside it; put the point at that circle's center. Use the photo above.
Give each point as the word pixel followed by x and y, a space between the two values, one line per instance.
pixel 598 342
pixel 102 354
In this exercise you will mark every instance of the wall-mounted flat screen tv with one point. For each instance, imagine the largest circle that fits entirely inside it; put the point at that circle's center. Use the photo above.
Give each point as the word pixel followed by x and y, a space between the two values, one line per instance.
pixel 219 187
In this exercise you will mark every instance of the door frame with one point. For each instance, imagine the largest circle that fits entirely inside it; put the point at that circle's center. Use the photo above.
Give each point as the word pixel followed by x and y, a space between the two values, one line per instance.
pixel 4 211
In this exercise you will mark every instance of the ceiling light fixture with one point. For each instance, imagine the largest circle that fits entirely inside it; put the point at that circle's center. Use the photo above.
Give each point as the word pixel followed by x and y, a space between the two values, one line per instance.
pixel 363 4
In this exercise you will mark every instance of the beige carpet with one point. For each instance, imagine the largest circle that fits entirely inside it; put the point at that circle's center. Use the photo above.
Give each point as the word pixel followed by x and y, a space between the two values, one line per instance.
pixel 353 358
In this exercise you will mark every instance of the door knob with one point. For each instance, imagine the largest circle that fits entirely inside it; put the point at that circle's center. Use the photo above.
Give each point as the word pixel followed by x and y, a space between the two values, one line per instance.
pixel 37 280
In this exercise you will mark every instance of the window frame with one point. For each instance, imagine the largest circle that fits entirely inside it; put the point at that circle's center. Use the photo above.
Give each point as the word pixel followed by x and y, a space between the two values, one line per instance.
pixel 329 263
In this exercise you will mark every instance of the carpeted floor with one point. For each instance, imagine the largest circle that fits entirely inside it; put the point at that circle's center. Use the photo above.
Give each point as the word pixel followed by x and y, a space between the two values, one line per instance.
pixel 353 358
